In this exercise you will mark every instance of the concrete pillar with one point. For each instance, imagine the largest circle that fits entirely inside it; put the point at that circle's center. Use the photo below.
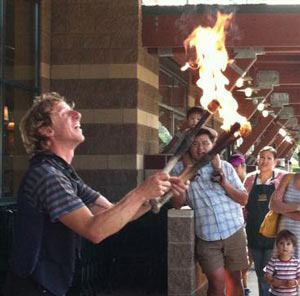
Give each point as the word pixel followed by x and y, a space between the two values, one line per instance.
pixel 184 275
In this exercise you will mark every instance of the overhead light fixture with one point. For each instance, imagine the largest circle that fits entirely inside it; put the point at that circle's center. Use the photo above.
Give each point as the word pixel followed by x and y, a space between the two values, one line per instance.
pixel 248 92
pixel 239 82
pixel 288 139
pixel 5 113
pixel 265 113
pixel 260 106
pixel 282 132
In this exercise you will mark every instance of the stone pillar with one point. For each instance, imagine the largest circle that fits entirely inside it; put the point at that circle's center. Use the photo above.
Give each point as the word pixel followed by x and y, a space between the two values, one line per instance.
pixel 184 275
pixel 98 61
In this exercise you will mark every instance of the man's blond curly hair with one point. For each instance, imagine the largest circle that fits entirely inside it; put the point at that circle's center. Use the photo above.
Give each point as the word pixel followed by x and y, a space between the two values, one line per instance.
pixel 36 117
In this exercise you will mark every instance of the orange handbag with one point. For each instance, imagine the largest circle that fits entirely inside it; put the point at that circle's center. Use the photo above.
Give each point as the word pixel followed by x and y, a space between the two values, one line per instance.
pixel 269 225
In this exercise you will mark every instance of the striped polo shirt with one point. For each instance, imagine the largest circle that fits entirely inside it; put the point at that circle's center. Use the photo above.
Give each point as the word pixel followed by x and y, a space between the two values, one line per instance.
pixel 44 248
pixel 284 270
pixel 54 187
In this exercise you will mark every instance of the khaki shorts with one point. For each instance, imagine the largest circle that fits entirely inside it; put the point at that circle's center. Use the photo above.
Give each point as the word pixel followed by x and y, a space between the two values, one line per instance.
pixel 230 253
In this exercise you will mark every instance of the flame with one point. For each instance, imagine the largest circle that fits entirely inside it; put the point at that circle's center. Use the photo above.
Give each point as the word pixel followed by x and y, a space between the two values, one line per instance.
pixel 207 44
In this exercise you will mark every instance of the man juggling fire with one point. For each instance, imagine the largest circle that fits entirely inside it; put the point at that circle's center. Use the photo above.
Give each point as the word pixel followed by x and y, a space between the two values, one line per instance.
pixel 55 206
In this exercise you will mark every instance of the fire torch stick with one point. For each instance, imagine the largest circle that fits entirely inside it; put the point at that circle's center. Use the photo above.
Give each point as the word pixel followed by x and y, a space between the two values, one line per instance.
pixel 227 138
pixel 188 139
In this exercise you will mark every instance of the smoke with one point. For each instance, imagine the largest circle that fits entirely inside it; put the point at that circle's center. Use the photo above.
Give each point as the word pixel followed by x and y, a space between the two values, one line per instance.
pixel 205 15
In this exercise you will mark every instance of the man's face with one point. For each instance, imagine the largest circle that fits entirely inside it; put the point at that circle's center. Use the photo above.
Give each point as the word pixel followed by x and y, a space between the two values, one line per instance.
pixel 66 125
pixel 201 145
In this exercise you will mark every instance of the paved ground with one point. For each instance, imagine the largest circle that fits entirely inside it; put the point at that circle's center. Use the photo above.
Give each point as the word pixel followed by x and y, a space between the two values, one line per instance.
pixel 252 283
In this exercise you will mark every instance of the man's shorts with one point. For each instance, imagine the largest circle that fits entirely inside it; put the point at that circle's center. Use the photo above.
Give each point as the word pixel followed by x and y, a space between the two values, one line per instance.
pixel 230 253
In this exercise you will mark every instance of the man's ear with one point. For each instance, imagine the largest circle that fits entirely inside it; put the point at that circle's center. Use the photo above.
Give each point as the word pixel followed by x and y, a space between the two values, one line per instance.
pixel 46 131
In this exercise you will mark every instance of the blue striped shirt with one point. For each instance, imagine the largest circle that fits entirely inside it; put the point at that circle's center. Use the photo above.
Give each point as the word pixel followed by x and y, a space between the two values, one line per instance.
pixel 49 185
pixel 217 216
pixel 45 248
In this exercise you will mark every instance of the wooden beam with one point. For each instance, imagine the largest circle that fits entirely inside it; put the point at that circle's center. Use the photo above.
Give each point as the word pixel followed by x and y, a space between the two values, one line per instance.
pixel 253 25
pixel 260 124
pixel 266 138
pixel 284 151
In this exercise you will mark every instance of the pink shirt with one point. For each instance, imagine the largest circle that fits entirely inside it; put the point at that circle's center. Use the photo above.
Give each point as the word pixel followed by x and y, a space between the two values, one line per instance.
pixel 249 180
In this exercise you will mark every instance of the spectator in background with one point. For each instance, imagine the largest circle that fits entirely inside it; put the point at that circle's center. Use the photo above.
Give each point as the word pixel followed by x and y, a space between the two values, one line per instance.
pixel 286 201
pixel 261 184
pixel 192 118
pixel 238 162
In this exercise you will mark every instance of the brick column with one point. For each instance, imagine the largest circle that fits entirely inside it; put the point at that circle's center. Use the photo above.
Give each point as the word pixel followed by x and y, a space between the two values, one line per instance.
pixel 98 61
pixel 184 275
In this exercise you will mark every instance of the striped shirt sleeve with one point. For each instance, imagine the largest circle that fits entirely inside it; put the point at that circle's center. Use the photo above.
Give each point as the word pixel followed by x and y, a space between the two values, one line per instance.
pixel 87 194
pixel 58 195
pixel 270 267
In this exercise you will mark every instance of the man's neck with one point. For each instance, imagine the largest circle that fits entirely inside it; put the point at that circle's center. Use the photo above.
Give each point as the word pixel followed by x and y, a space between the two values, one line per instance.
pixel 65 154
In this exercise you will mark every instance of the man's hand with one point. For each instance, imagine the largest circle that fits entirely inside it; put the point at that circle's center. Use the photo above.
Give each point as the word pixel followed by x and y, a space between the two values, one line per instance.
pixel 155 186
pixel 218 175
pixel 178 186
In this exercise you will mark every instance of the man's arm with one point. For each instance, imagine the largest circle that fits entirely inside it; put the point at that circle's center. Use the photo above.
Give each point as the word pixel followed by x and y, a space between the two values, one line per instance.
pixel 239 196
pixel 97 227
pixel 100 205
pixel 178 200
pixel 179 197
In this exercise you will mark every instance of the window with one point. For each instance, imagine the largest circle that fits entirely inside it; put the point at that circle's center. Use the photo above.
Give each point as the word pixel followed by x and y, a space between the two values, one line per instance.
pixel 19 80
pixel 173 89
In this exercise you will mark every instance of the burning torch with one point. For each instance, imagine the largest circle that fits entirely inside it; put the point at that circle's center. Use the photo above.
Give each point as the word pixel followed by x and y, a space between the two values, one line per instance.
pixel 206 52
pixel 227 138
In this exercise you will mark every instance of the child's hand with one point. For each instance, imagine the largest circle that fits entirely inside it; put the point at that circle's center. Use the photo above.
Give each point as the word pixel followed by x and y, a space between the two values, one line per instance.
pixel 276 283
pixel 291 283
pixel 187 160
